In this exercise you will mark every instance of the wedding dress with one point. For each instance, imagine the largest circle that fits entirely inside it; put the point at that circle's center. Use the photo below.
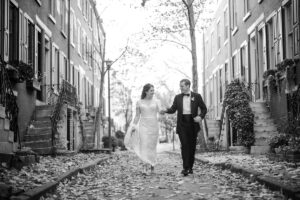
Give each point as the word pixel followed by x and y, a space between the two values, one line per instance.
pixel 143 141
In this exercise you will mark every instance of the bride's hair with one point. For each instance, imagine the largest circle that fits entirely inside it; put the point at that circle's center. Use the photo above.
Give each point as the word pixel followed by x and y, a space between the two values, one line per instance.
pixel 146 88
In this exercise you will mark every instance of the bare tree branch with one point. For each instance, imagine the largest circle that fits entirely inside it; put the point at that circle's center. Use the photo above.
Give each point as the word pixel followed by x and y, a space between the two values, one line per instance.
pixel 172 41
pixel 178 70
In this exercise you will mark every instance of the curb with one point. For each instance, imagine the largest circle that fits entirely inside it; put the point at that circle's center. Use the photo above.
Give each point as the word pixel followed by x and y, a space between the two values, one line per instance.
pixel 270 182
pixel 37 192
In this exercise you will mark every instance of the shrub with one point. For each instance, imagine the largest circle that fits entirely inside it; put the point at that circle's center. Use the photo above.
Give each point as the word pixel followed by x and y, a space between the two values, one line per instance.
pixel 105 140
pixel 239 112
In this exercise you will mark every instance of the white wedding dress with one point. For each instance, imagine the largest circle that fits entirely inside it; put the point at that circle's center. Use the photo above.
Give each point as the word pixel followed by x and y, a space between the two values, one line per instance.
pixel 144 140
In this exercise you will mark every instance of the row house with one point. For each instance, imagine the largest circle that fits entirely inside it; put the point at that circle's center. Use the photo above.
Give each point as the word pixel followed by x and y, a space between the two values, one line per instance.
pixel 52 52
pixel 247 39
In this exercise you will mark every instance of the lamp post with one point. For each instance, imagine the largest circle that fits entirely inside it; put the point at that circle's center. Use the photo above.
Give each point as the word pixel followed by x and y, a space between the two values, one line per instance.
pixel 108 65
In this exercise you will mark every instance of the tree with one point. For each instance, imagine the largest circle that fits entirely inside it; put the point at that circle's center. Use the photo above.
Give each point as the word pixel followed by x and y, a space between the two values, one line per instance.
pixel 122 104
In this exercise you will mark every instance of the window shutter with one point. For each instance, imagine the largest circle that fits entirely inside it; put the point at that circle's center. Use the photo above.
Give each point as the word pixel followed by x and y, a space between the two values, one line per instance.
pixel 21 35
pixel 25 40
pixel 265 64
pixel 6 30
pixel 279 36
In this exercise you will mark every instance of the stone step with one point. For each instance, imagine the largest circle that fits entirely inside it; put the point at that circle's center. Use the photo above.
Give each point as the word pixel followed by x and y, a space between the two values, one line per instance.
pixel 43 151
pixel 4 124
pixel 262 116
pixel 37 131
pixel 2 112
pixel 37 137
pixel 45 118
pixel 38 144
pixel 212 122
pixel 264 128
pixel 265 134
pixel 44 107
pixel 260 149
pixel 6 136
pixel 42 124
pixel 8 147
pixel 261 141
pixel 259 108
pixel 257 104
pixel 43 113
pixel 264 122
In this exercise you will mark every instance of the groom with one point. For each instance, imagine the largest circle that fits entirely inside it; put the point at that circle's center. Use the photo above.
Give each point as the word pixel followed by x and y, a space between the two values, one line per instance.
pixel 187 104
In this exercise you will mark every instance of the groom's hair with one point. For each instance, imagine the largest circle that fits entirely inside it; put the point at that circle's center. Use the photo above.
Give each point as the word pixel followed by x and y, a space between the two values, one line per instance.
pixel 186 82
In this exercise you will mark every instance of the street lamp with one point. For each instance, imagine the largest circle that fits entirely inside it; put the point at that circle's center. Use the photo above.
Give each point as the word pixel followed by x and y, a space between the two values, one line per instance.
pixel 108 65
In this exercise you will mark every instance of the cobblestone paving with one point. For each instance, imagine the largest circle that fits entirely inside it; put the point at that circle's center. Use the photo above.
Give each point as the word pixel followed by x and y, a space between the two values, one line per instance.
pixel 121 178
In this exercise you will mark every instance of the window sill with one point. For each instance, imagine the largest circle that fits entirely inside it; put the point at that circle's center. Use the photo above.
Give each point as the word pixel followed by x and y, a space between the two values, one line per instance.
pixel 218 52
pixel 39 2
pixel 259 1
pixel 212 59
pixel 72 44
pixel 62 32
pixel 247 16
pixel 226 42
pixel 52 18
pixel 235 30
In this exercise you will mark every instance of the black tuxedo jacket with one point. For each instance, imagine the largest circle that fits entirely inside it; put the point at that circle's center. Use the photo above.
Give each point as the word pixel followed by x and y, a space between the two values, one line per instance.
pixel 196 103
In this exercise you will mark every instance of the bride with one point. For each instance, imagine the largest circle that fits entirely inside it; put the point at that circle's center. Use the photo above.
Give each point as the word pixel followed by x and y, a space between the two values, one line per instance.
pixel 142 136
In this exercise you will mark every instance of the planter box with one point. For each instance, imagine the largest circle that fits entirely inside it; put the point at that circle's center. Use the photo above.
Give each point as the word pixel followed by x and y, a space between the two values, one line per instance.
pixel 34 84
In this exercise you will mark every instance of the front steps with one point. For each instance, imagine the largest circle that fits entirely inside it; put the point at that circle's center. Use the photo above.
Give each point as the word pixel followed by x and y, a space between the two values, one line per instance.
pixel 39 134
pixel 264 128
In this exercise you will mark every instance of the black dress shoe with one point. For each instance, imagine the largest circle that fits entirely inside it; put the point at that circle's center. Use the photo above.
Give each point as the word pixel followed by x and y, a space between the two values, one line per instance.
pixel 190 171
pixel 184 172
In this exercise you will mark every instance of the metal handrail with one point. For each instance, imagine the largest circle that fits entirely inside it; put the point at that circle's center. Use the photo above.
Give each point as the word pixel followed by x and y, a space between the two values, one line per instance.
pixel 9 100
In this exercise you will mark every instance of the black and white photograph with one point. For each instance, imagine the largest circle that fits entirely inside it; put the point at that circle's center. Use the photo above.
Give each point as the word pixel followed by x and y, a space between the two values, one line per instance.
pixel 149 100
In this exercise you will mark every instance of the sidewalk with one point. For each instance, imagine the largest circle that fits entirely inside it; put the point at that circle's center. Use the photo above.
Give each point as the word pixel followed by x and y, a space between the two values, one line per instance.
pixel 282 176
pixel 32 181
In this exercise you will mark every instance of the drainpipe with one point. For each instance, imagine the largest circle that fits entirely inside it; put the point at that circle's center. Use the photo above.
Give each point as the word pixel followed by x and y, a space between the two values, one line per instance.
pixel 229 40
pixel 69 34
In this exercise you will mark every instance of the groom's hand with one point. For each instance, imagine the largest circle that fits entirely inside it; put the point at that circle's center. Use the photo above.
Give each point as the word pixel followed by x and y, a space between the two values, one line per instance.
pixel 162 112
pixel 197 119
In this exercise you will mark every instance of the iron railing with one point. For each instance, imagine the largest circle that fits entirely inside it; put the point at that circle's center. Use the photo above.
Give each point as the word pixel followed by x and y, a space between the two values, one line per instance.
pixel 9 100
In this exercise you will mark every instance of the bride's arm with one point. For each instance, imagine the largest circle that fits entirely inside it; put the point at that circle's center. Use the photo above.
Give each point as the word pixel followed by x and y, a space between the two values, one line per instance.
pixel 137 114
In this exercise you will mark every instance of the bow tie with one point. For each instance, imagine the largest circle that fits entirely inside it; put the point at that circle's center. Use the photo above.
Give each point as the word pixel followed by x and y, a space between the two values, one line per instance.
pixel 186 95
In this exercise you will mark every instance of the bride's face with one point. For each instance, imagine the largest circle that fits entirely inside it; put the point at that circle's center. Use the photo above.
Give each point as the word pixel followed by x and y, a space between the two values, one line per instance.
pixel 150 93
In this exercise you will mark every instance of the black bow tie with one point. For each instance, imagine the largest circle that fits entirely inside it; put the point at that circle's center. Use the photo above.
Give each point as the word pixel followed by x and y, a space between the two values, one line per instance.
pixel 186 95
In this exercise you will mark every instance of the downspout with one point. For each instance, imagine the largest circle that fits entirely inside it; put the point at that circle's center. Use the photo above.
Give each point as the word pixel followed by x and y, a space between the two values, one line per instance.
pixel 69 34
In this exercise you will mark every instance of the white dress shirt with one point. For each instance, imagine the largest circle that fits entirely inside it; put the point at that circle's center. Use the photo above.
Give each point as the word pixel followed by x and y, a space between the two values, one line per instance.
pixel 186 105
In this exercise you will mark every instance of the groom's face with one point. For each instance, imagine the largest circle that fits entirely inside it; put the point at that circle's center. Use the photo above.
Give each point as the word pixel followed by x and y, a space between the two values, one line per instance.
pixel 184 88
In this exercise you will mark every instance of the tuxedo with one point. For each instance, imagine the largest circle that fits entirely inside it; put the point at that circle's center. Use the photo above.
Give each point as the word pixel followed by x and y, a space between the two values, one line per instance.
pixel 186 128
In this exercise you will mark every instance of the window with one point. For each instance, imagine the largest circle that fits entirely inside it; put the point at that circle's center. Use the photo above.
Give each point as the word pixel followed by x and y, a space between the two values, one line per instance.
pixel 246 7
pixel 211 44
pixel 244 68
pixel 288 31
pixel 270 48
pixel 72 30
pixel 226 75
pixel 55 67
pixel 234 15
pixel 296 42
pixel 219 36
pixel 13 33
pixel 52 7
pixel 79 38
pixel 234 70
pixel 221 84
pixel 226 24
pixel 83 36
pixel 64 18
pixel 67 70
